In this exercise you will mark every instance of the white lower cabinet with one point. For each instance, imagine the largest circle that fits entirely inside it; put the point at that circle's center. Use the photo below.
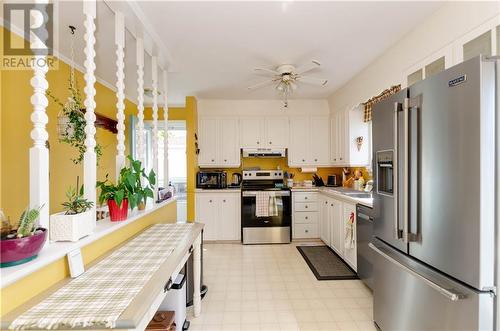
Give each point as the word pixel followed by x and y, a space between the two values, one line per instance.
pixel 337 227
pixel 221 214
pixel 305 217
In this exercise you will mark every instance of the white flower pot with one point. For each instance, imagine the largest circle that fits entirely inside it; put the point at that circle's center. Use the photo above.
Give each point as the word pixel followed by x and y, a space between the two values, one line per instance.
pixel 71 227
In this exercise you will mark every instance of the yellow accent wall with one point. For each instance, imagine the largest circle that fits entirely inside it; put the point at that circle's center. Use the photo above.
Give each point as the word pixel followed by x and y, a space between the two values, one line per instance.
pixel 15 141
pixel 189 113
pixel 20 292
pixel 16 126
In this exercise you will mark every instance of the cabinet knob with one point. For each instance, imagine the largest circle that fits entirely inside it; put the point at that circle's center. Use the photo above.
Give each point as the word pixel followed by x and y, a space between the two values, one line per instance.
pixel 224 200
pixel 331 205
pixel 210 201
pixel 306 206
pixel 334 159
pixel 307 217
pixel 340 159
pixel 213 160
pixel 258 142
pixel 270 143
pixel 305 198
pixel 303 160
pixel 307 231
pixel 315 160
pixel 225 160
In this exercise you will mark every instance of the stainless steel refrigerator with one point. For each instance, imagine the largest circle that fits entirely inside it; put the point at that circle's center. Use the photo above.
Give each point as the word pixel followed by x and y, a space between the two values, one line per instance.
pixel 436 201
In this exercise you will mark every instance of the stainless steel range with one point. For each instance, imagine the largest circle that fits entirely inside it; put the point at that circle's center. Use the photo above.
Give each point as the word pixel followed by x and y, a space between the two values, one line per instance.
pixel 265 189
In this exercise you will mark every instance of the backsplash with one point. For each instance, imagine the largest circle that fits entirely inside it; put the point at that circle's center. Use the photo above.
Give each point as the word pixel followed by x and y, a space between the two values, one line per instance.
pixel 270 163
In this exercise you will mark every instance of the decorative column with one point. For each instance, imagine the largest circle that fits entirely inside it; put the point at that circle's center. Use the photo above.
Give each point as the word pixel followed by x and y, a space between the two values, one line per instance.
pixel 120 91
pixel 89 158
pixel 154 76
pixel 165 130
pixel 38 153
pixel 140 101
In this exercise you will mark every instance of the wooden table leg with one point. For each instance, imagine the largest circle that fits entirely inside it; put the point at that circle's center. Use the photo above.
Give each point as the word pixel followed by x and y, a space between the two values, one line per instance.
pixel 197 276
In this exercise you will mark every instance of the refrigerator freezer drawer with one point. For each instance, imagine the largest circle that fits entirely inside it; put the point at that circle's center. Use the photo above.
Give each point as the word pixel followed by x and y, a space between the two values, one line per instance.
pixel 410 296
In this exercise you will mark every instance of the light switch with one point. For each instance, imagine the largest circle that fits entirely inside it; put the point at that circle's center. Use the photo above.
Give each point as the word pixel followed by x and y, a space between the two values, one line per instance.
pixel 75 262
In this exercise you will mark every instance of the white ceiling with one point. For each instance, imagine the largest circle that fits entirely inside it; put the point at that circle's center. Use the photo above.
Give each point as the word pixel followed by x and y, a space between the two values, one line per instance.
pixel 213 47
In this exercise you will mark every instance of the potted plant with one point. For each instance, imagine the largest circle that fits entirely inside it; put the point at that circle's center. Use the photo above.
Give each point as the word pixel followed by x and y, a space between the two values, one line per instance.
pixel 116 197
pixel 139 194
pixel 23 244
pixel 76 221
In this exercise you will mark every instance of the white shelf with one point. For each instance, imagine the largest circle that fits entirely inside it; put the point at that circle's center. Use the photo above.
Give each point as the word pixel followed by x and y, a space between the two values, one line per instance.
pixel 53 251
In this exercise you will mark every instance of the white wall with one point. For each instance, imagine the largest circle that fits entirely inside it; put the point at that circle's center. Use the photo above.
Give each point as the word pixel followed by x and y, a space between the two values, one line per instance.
pixel 261 107
pixel 449 23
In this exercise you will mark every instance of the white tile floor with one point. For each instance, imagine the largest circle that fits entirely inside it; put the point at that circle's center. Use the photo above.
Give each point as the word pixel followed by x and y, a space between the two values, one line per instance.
pixel 270 287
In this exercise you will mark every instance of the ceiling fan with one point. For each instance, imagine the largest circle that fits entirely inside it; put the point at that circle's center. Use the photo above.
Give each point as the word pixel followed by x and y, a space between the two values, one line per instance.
pixel 286 78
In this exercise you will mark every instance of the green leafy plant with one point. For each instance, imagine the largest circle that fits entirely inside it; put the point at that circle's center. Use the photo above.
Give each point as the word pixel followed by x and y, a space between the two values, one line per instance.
pixel 73 130
pixel 110 191
pixel 76 203
pixel 132 175
pixel 28 222
pixel 129 185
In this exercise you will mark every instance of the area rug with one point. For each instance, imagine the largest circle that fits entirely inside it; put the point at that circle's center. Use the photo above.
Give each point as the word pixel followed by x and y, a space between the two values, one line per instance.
pixel 325 263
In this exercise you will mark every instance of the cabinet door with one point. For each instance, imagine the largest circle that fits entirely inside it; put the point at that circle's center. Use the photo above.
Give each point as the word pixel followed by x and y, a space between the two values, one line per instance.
pixel 206 212
pixel 342 138
pixel 208 142
pixel 320 140
pixel 298 151
pixel 324 221
pixel 229 143
pixel 251 132
pixel 334 141
pixel 349 224
pixel 337 227
pixel 276 132
pixel 228 220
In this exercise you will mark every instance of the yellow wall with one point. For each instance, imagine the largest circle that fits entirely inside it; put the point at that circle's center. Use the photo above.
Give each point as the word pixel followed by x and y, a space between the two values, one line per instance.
pixel 16 141
pixel 190 115
pixel 39 281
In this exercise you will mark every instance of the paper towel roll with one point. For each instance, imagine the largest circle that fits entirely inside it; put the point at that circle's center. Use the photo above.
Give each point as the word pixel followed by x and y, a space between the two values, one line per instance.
pixel 309 170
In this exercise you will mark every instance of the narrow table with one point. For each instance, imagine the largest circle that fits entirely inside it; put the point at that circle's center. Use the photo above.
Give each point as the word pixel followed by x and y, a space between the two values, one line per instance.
pixel 138 310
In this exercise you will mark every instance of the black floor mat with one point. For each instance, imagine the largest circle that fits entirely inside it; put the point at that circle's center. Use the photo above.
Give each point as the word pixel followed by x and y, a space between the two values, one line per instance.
pixel 325 263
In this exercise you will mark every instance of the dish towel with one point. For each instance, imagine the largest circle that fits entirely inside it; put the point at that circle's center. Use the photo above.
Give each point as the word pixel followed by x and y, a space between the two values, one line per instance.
pixel 262 204
pixel 273 206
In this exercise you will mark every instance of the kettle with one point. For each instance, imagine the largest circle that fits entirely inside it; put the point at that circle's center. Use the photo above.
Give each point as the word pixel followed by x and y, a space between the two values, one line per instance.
pixel 236 179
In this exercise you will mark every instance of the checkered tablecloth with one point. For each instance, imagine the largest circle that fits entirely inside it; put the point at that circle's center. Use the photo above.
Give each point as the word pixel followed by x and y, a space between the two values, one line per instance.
pixel 101 294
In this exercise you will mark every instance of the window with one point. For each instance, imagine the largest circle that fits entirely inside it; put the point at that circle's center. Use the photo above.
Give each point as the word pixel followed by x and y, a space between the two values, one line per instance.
pixel 478 45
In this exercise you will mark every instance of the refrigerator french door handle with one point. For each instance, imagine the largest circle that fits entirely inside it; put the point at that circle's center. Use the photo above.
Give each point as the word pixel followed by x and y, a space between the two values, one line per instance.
pixel 395 187
pixel 406 177
pixel 451 295
pixel 412 104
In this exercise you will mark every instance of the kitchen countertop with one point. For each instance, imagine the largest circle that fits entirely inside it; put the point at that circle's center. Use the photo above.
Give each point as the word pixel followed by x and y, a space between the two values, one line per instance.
pixel 336 192
pixel 222 190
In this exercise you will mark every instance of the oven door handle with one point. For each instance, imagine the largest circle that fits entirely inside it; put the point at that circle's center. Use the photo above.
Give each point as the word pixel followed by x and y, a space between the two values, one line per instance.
pixel 276 193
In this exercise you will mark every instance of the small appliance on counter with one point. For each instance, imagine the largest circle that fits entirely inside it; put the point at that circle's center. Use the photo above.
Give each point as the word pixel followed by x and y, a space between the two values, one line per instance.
pixel 332 181
pixel 213 179
pixel 235 181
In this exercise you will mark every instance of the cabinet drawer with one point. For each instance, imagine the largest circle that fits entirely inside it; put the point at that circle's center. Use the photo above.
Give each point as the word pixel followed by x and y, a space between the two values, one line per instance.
pixel 305 196
pixel 306 206
pixel 306 230
pixel 306 217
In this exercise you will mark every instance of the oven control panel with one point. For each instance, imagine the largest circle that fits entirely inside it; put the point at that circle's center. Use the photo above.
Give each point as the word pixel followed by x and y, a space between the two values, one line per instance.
pixel 262 174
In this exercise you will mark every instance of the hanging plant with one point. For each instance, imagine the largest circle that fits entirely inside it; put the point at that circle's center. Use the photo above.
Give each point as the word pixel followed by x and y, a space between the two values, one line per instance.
pixel 71 118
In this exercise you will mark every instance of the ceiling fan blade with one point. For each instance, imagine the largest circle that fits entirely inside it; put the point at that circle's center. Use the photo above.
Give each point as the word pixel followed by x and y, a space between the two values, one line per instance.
pixel 267 71
pixel 313 80
pixel 307 67
pixel 261 84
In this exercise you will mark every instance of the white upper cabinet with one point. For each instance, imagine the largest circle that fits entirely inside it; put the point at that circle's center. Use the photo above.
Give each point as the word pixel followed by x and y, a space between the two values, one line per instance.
pixel 309 141
pixel 264 133
pixel 218 143
pixel 252 132
pixel 350 144
pixel 229 146
pixel 207 134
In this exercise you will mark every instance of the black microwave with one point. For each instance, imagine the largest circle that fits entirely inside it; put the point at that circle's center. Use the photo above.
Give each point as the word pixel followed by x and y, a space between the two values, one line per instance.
pixel 211 179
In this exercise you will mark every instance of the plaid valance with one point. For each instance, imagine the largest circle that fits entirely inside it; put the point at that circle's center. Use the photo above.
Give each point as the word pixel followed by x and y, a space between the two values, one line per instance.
pixel 369 104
